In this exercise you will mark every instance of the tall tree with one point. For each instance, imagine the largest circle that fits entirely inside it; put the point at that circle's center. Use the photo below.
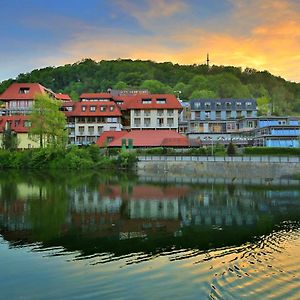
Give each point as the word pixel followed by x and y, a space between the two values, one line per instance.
pixel 48 122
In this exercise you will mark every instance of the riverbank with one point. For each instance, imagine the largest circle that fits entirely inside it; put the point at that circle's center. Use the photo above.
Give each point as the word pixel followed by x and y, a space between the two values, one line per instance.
pixel 71 158
pixel 241 167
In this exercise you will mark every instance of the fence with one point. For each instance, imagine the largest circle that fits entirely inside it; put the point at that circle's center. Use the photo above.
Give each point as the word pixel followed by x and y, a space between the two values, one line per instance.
pixel 256 159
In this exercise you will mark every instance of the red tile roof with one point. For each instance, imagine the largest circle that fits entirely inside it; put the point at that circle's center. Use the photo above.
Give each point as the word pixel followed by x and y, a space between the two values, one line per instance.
pixel 63 97
pixel 136 102
pixel 17 123
pixel 78 109
pixel 13 91
pixel 144 138
pixel 95 96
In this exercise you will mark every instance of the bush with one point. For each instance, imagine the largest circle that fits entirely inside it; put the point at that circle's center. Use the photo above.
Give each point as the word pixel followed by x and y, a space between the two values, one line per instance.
pixel 271 151
pixel 231 150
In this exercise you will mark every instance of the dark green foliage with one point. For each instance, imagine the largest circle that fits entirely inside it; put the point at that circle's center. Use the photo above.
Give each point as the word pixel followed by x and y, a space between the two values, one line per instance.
pixel 9 140
pixel 218 81
pixel 71 158
pixel 271 151
pixel 231 149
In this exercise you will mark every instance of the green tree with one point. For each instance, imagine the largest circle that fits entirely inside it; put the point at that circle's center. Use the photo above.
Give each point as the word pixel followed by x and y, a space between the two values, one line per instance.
pixel 9 139
pixel 156 87
pixel 263 105
pixel 231 149
pixel 48 122
pixel 203 94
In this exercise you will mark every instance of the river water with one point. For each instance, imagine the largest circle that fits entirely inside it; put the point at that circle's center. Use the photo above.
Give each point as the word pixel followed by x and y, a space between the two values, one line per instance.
pixel 107 236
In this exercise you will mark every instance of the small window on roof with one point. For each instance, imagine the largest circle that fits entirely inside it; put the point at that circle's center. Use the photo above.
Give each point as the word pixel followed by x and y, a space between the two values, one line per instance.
pixel 146 101
pixel 92 108
pixel 24 90
pixel 111 108
pixel 102 108
pixel 161 100
pixel 83 108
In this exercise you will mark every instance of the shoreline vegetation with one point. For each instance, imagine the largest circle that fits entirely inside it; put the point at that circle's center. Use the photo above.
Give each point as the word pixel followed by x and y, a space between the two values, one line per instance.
pixel 91 157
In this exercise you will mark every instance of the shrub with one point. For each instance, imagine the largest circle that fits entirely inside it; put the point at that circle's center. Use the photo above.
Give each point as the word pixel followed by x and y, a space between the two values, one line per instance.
pixel 271 151
pixel 231 149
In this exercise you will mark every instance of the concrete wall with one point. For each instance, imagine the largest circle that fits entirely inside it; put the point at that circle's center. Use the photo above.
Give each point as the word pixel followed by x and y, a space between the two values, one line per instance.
pixel 268 168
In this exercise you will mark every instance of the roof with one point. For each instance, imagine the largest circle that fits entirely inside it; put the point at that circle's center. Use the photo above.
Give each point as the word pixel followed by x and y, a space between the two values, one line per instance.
pixel 95 96
pixel 17 123
pixel 93 109
pixel 23 91
pixel 144 138
pixel 150 101
pixel 221 104
pixel 63 97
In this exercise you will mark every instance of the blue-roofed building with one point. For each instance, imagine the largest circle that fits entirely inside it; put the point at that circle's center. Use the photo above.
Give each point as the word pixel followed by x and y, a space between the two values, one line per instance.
pixel 272 131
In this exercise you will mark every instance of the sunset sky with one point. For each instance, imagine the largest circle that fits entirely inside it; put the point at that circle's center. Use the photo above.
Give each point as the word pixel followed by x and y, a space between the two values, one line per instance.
pixel 262 34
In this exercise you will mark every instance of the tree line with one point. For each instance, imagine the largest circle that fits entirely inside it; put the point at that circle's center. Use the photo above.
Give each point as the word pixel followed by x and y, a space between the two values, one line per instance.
pixel 274 94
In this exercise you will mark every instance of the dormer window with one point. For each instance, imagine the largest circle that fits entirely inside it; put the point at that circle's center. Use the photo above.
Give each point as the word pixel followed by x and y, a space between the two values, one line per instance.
pixel 93 108
pixel 207 105
pixel 111 108
pixel 102 108
pixel 146 101
pixel 248 103
pixel 24 90
pixel 161 101
pixel 218 104
pixel 83 108
pixel 238 104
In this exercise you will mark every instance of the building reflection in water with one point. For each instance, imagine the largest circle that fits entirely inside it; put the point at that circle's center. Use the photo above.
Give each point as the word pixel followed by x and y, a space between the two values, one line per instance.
pixel 125 210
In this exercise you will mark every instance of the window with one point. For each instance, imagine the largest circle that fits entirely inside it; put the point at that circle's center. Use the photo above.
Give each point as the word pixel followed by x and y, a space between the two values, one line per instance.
pixel 24 90
pixel 137 112
pixel 27 124
pixel 160 112
pixel 197 114
pixel 197 105
pixel 83 108
pixel 147 122
pixel 218 114
pixel 93 108
pixel 170 112
pixel 248 103
pixel 137 122
pixel 112 128
pixel 146 101
pixel 160 122
pixel 207 104
pixel 100 129
pixel 218 104
pixel 170 122
pixel 207 114
pixel 102 108
pixel 91 129
pixel 81 120
pixel 228 104
pixel 161 101
pixel 81 129
pixel 146 113
pixel 111 108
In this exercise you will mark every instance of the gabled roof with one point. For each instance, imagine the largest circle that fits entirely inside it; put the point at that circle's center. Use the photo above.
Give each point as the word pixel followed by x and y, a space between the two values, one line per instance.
pixel 17 123
pixel 151 101
pixel 144 138
pixel 63 97
pixel 111 109
pixel 23 91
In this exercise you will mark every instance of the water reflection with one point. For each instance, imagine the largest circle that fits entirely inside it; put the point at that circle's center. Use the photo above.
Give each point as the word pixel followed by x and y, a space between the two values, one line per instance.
pixel 105 213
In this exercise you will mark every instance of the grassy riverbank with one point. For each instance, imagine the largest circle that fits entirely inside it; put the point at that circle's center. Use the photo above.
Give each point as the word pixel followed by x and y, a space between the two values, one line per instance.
pixel 72 158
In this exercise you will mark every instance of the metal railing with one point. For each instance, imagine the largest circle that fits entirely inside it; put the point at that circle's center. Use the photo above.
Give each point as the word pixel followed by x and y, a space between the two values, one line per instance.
pixel 257 159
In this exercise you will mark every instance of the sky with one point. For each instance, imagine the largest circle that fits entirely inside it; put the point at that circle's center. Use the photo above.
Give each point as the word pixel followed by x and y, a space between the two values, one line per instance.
pixel 260 34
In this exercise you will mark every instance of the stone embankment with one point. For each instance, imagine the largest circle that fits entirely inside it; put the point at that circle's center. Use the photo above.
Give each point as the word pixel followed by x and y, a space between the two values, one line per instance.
pixel 265 167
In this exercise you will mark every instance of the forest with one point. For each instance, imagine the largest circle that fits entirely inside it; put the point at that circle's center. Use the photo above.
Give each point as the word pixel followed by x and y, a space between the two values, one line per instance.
pixel 274 95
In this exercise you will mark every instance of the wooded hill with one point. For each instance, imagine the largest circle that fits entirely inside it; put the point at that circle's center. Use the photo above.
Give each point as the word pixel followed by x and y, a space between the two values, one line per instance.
pixel 194 81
